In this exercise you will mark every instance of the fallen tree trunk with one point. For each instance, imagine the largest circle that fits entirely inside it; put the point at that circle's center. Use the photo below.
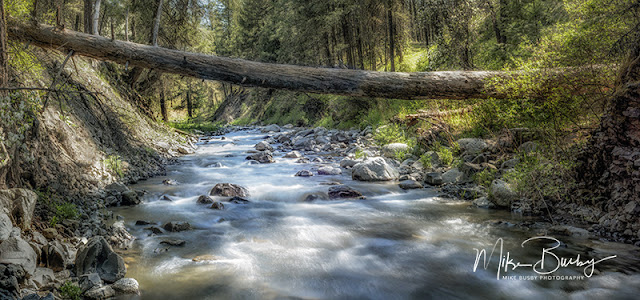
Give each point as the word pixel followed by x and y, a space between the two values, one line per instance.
pixel 427 85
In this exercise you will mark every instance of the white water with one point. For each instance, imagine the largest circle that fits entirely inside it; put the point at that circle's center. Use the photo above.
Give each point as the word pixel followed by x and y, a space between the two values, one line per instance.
pixel 393 245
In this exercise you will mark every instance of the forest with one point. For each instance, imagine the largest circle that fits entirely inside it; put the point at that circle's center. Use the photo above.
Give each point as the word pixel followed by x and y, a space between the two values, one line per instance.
pixel 333 142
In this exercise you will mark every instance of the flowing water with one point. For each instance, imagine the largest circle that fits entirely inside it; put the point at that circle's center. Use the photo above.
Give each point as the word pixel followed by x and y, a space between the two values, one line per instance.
pixel 393 245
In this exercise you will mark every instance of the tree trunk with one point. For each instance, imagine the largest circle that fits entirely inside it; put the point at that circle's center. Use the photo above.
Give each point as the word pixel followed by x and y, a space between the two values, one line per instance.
pixel 4 59
pixel 189 104
pixel 95 18
pixel 126 24
pixel 34 12
pixel 163 105
pixel 156 25
pixel 429 85
pixel 88 13
pixel 392 37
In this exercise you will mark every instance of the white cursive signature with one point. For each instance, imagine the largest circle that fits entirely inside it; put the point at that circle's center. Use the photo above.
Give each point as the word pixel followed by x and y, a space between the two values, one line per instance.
pixel 506 263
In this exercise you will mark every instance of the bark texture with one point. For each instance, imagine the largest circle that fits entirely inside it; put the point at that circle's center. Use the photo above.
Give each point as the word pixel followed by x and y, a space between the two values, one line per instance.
pixel 427 85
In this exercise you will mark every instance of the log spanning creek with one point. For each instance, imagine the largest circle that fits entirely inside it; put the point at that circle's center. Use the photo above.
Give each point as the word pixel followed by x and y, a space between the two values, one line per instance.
pixel 394 244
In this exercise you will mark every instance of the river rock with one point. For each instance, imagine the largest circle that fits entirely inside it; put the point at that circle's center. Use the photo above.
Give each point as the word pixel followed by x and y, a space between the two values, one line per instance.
pixel 43 277
pixel 185 150
pixel 569 231
pixel 293 154
pixel 263 157
pixel 15 250
pixel 452 176
pixel 126 286
pixel 348 163
pixel 169 182
pixel 165 198
pixel 97 257
pixel 238 200
pixel 100 293
pixel 130 198
pixel 55 255
pixel 483 202
pixel 174 226
pixel 174 242
pixel 433 178
pixel 409 184
pixel 19 203
pixel 143 222
pixel 88 281
pixel 5 226
pixel 263 146
pixel 390 150
pixel 271 128
pixel 154 229
pixel 217 205
pixel 344 192
pixel 472 145
pixel 304 173
pixel 229 190
pixel 328 170
pixel 204 199
pixel 374 169
pixel 501 193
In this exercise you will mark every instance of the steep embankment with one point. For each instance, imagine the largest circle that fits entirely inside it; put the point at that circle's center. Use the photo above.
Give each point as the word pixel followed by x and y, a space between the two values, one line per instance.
pixel 89 136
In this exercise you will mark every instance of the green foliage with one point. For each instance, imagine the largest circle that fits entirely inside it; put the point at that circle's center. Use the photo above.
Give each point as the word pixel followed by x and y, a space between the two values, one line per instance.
pixel 70 290
pixel 63 211
pixel 425 159
pixel 401 155
pixel 445 154
pixel 114 164
pixel 360 154
pixel 541 178
pixel 393 133
pixel 193 125
pixel 485 177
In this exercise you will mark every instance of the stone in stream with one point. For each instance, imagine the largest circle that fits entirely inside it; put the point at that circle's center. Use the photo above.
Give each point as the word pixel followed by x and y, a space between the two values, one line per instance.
pixel 374 169
pixel 238 200
pixel 173 242
pixel 130 198
pixel 348 163
pixel 229 190
pixel 204 199
pixel 126 286
pixel 328 170
pixel 217 205
pixel 169 182
pixel 409 184
pixel 174 226
pixel 304 173
pixel 433 178
pixel 201 258
pixel 501 193
pixel 143 222
pixel 263 157
pixel 97 256
pixel 165 198
pixel 263 146
pixel 344 192
pixel 154 229
pixel 302 160
pixel 293 154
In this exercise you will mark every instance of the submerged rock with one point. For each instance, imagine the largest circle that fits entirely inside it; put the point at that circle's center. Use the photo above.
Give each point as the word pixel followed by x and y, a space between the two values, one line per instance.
pixel 204 199
pixel 344 192
pixel 328 170
pixel 174 226
pixel 229 190
pixel 217 205
pixel 173 242
pixel 263 146
pixel 293 154
pixel 263 157
pixel 304 173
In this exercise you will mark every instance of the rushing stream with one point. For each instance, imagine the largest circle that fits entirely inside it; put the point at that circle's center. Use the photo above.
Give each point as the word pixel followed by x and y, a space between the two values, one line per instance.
pixel 395 244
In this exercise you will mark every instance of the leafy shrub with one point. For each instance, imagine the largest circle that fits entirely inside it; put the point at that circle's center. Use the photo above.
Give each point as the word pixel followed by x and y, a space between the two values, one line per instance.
pixel 64 211
pixel 360 154
pixel 401 155
pixel 426 161
pixel 114 164
pixel 485 177
pixel 70 290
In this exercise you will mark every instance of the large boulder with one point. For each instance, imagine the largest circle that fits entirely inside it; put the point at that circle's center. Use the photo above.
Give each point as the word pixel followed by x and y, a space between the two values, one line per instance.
pixel 328 170
pixel 174 226
pixel 374 169
pixel 15 250
pixel 127 286
pixel 452 176
pixel 501 193
pixel 229 190
pixel 55 255
pixel 271 128
pixel 472 146
pixel 97 256
pixel 344 192
pixel 129 198
pixel 390 150
pixel 5 226
pixel 20 204
pixel 264 157
pixel 263 146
